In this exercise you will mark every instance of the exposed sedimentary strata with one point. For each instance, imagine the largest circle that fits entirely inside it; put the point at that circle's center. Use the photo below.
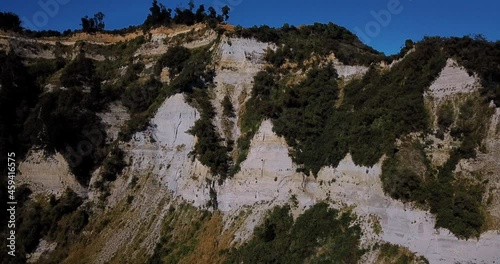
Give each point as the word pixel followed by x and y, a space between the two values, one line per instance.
pixel 48 173
pixel 346 72
pixel 113 119
pixel 239 60
pixel 453 80
pixel 163 151
pixel 268 178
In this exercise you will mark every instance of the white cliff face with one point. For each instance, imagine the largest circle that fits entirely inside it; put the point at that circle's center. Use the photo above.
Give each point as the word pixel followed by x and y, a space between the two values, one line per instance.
pixel 239 60
pixel 349 72
pixel 163 150
pixel 453 80
pixel 268 178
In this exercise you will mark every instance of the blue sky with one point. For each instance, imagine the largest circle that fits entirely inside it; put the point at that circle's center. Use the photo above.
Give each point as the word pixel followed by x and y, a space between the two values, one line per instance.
pixel 409 19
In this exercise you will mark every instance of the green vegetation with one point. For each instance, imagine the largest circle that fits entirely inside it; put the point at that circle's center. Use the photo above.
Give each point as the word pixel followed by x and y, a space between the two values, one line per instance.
pixel 390 253
pixel 92 25
pixel 10 21
pixel 65 120
pixel 209 148
pixel 80 72
pixel 298 44
pixel 455 202
pixel 401 181
pixel 55 220
pixel 138 97
pixel 376 110
pixel 227 107
pixel 319 235
pixel 446 116
pixel 113 164
pixel 18 94
pixel 43 69
pixel 175 59
pixel 179 238
pixel 161 16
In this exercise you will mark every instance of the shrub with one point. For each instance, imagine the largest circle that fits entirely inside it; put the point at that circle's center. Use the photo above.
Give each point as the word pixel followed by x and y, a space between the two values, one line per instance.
pixel 10 21
pixel 174 59
pixel 227 107
pixel 319 235
pixel 138 98
pixel 113 164
pixel 79 72
pixel 446 116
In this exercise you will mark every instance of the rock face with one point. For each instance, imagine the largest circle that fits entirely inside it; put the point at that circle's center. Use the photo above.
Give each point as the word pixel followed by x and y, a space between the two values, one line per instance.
pixel 349 71
pixel 163 150
pixel 239 60
pixel 160 163
pixel 114 119
pixel 453 80
pixel 48 174
pixel 268 176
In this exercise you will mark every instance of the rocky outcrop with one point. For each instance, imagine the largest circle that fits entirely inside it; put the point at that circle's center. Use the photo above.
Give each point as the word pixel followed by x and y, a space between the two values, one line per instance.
pixel 453 80
pixel 238 61
pixel 48 173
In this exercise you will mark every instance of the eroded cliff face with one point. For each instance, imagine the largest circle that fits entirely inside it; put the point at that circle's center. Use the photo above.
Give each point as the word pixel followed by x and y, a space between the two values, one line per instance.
pixel 162 178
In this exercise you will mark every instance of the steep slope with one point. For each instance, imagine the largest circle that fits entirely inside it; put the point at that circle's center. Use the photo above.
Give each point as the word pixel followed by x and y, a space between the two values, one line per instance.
pixel 154 198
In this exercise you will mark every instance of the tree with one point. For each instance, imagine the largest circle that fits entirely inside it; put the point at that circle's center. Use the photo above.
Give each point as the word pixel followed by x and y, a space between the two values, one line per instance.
pixel 225 12
pixel 94 24
pixel 212 13
pixel 200 14
pixel 99 21
pixel 158 15
pixel 184 16
pixel 191 5
pixel 10 21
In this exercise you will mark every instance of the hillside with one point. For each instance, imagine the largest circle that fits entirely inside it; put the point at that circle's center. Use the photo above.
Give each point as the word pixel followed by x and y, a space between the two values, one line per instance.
pixel 194 144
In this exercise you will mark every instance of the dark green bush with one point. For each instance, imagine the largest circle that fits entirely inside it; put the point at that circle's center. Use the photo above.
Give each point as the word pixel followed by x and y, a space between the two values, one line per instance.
pixel 174 59
pixel 401 182
pixel 319 235
pixel 10 21
pixel 79 72
pixel 113 164
pixel 138 98
pixel 446 116
pixel 54 220
pixel 227 107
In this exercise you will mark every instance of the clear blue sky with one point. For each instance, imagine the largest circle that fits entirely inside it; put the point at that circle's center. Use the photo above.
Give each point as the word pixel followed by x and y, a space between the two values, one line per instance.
pixel 411 19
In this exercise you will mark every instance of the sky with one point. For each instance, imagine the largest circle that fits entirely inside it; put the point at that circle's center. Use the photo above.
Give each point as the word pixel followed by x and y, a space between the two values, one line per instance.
pixel 382 24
